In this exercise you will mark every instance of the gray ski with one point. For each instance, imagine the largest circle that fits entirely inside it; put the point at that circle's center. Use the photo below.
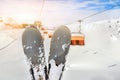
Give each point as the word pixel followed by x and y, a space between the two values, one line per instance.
pixel 33 47
pixel 59 48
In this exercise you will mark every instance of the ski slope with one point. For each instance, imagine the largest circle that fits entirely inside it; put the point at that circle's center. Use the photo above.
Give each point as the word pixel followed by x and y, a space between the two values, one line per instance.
pixel 99 59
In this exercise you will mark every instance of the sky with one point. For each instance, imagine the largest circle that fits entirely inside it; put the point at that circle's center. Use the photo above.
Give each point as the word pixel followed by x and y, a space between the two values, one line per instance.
pixel 58 12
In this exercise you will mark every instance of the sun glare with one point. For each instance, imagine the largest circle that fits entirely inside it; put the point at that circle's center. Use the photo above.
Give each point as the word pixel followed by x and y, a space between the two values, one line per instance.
pixel 24 18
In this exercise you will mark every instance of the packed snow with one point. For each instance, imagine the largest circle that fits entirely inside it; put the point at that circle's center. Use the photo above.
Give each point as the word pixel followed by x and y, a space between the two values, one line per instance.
pixel 55 71
pixel 98 59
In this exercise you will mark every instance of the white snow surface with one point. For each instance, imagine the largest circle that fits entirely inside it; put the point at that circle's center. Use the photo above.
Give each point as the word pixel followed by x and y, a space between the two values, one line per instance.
pixel 4 40
pixel 98 59
pixel 55 71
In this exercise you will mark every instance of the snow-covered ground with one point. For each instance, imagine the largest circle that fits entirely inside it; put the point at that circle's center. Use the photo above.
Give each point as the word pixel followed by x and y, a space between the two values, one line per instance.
pixel 99 59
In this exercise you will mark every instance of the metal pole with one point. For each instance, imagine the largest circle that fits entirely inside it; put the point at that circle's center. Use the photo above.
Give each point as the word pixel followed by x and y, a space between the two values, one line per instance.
pixel 80 25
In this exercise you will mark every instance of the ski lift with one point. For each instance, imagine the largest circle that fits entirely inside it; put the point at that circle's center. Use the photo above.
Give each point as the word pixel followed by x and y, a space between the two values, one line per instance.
pixel 45 32
pixel 78 38
pixel 50 35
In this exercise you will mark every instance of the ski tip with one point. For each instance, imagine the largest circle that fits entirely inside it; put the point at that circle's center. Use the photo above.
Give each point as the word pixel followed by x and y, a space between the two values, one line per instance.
pixel 63 27
pixel 60 44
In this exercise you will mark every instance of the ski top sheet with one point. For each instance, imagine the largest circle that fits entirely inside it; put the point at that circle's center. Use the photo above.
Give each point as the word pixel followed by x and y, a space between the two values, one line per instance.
pixel 59 48
pixel 33 47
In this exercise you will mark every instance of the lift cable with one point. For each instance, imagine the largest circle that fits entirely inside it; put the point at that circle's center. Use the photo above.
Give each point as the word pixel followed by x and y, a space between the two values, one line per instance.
pixel 99 12
pixel 43 3
pixel 80 20
pixel 94 15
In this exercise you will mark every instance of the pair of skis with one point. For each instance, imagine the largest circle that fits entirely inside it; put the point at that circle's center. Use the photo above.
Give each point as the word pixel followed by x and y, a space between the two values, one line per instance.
pixel 33 47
